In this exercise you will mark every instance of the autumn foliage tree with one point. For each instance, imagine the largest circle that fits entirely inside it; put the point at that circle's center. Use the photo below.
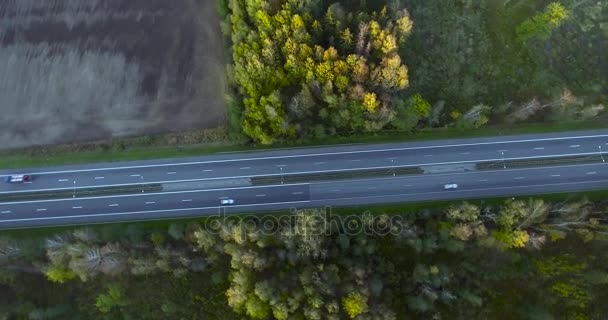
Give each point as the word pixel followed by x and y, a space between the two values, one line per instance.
pixel 297 64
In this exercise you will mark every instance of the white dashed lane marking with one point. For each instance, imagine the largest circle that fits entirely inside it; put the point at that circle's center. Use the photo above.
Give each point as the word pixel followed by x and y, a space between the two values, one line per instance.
pixel 318 163
pixel 539 148
pixel 150 202
pixel 556 175
pixel 519 178
pixel 6 212
pixel 76 207
pixel 575 146
pixel 98 178
pixel 187 200
pixel 208 170
pixel 592 172
pixel 245 168
pixel 135 175
pixel 172 172
pixel 260 195
pixel 113 205
pixel 299 192
pixel 63 180
pixel 41 209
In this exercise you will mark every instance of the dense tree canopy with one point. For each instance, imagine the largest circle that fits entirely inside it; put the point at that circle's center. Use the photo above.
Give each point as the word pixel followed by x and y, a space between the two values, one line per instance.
pixel 301 63
pixel 312 68
pixel 522 258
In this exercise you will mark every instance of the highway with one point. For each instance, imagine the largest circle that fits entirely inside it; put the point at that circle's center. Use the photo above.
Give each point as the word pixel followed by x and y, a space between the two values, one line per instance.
pixel 447 161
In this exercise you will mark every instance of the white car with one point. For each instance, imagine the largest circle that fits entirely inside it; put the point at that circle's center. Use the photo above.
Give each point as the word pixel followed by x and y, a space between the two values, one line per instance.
pixel 450 186
pixel 227 201
pixel 17 178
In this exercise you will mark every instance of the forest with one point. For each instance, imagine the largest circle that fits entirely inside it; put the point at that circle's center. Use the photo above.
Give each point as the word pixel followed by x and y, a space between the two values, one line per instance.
pixel 312 68
pixel 524 258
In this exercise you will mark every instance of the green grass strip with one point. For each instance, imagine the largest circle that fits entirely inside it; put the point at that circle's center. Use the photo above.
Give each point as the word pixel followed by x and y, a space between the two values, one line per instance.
pixel 51 156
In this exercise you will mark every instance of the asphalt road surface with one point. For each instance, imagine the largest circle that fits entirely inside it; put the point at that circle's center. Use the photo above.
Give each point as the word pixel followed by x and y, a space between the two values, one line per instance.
pixel 439 155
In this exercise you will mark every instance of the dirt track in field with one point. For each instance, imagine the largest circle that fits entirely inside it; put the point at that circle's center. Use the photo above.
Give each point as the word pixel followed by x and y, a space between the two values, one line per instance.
pixel 77 70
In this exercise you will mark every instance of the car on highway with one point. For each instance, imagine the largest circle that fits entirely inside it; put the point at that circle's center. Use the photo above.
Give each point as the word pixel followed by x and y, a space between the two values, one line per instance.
pixel 227 201
pixel 17 178
pixel 450 186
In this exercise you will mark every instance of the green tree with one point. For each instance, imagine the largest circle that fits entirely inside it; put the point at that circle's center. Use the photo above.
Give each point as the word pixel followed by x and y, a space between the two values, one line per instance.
pixel 114 298
pixel 256 308
pixel 59 274
pixel 543 24
pixel 354 304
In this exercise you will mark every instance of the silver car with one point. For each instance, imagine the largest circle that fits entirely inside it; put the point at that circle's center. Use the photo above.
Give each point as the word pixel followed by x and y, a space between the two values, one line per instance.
pixel 450 186
pixel 227 201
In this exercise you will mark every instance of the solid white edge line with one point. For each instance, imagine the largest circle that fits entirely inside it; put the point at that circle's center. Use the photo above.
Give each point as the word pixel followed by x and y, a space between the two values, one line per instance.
pixel 459 191
pixel 325 154
pixel 319 182
pixel 289 202
pixel 155 194
pixel 319 171
pixel 152 211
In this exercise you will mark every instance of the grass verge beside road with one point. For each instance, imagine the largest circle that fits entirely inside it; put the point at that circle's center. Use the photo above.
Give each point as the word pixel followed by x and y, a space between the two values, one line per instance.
pixel 144 148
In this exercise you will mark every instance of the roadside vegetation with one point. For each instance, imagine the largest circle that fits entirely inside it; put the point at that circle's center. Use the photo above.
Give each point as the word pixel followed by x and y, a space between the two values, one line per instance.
pixel 322 72
pixel 517 258
pixel 316 68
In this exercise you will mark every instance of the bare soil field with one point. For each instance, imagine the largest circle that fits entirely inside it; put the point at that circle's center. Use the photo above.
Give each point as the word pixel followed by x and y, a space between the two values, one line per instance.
pixel 79 70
